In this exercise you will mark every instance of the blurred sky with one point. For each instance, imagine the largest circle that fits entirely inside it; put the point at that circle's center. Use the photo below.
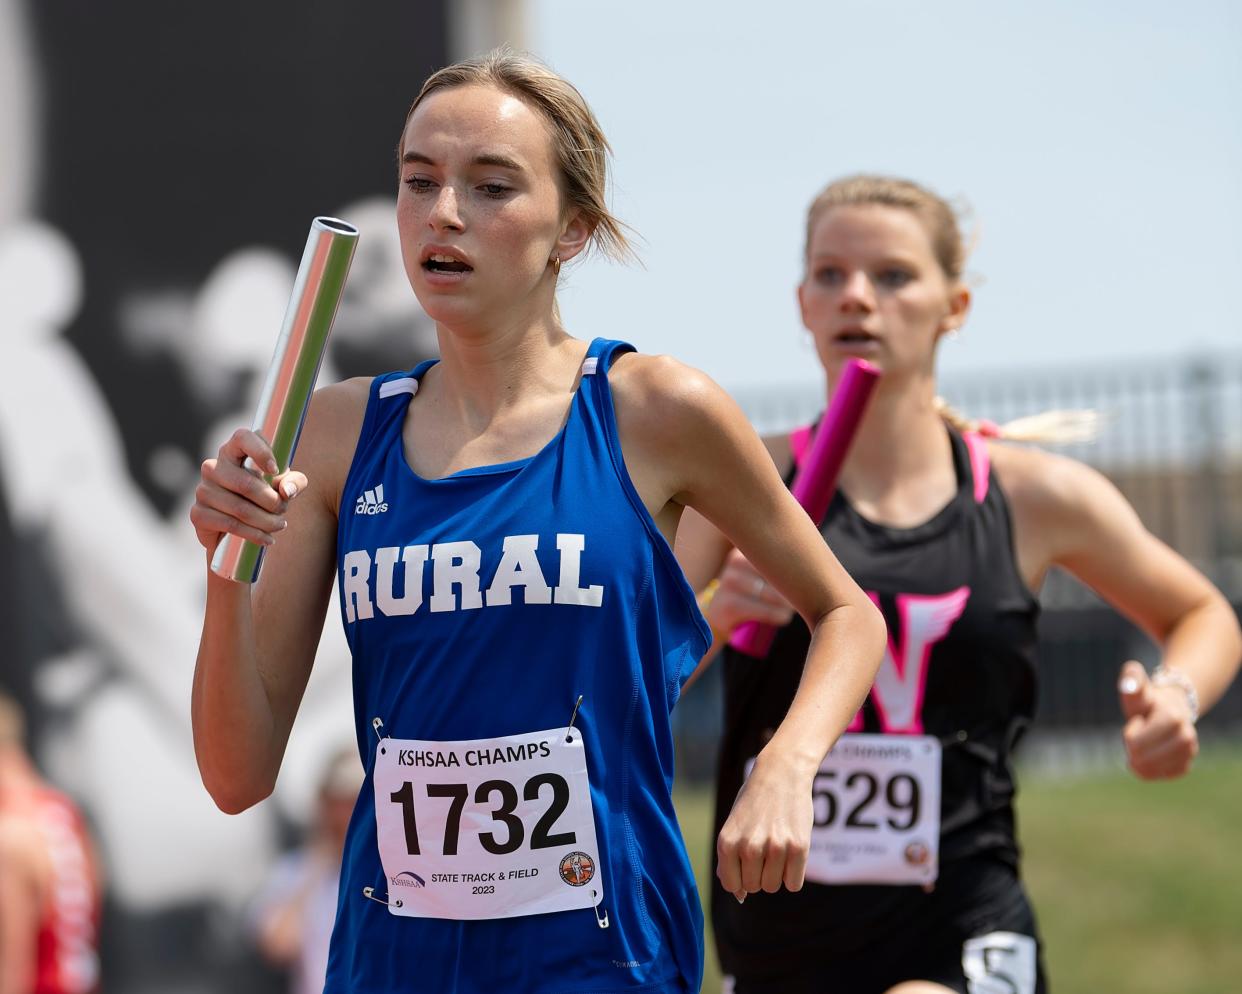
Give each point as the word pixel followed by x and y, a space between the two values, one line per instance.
pixel 1098 146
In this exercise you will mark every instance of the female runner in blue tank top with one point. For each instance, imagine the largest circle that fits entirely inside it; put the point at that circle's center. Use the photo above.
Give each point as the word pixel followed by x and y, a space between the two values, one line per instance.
pixel 950 533
pixel 498 524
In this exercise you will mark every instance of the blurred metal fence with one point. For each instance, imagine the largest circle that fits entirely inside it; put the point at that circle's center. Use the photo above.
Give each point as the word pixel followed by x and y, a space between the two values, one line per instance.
pixel 1171 440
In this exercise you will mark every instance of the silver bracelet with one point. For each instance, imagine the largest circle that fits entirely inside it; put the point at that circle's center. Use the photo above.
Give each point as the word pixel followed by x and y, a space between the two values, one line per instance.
pixel 1166 676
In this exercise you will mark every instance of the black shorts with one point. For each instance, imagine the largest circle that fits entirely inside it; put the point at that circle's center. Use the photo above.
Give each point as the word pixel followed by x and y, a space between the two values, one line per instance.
pixel 975 933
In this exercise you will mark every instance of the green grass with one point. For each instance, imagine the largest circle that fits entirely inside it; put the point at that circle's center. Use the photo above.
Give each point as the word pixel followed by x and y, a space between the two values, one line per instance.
pixel 1138 886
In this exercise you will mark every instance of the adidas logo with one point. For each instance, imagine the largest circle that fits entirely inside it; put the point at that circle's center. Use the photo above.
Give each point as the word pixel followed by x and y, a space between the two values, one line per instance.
pixel 371 502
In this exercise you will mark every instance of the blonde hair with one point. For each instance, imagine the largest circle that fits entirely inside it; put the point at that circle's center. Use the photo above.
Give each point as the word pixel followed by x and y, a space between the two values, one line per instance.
pixel 940 220
pixel 864 190
pixel 578 141
pixel 1056 427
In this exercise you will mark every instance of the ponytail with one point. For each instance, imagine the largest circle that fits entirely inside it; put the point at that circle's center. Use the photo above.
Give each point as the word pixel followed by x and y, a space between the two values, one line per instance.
pixel 1060 427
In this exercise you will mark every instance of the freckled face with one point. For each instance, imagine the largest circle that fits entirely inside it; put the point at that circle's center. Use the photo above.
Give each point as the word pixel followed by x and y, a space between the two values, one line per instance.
pixel 479 210
pixel 874 289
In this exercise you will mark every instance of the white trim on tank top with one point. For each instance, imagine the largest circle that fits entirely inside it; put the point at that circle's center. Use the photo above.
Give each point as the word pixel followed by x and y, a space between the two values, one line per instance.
pixel 407 384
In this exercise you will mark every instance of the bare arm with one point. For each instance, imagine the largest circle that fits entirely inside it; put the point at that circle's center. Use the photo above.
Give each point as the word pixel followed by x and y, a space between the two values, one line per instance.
pixel 714 463
pixel 739 593
pixel 1068 515
pixel 258 644
pixel 21 898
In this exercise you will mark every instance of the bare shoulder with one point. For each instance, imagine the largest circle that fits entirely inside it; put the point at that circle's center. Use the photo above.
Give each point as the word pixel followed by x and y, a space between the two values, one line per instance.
pixel 339 407
pixel 683 436
pixel 334 418
pixel 681 411
pixel 330 435
pixel 660 379
pixel 21 844
pixel 663 399
pixel 1050 490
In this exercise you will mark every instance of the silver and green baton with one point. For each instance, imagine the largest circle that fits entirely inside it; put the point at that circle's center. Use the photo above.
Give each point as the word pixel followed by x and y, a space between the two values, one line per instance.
pixel 295 366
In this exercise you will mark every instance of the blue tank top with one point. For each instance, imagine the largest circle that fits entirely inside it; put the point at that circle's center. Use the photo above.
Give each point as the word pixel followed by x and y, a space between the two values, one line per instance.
pixel 481 656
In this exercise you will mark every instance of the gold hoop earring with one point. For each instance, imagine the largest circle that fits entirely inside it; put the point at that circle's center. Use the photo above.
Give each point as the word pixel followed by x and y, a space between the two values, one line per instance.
pixel 556 265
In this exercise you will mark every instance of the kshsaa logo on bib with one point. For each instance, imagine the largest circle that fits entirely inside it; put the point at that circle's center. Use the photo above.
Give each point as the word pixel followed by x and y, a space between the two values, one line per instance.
pixel 408 878
pixel 577 869
pixel 371 502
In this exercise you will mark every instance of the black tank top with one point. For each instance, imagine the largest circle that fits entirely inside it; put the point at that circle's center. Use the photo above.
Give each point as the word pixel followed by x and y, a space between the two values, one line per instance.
pixel 960 665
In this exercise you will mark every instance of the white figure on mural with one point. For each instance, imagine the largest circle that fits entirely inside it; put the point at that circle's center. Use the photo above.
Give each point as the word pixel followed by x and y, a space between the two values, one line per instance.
pixel 17 111
pixel 127 752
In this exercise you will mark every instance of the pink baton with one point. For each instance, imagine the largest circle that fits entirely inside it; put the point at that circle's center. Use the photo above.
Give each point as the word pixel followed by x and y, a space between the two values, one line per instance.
pixel 816 480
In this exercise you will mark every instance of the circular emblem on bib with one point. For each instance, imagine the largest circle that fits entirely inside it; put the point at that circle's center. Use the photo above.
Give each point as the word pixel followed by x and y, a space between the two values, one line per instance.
pixel 577 869
pixel 917 853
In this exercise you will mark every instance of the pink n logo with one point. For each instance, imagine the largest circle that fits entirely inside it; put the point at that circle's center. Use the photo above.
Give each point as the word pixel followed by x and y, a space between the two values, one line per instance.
pixel 899 685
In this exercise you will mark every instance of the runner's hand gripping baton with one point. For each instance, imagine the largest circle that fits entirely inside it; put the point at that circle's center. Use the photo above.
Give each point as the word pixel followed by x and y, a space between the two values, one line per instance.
pixel 295 366
pixel 816 480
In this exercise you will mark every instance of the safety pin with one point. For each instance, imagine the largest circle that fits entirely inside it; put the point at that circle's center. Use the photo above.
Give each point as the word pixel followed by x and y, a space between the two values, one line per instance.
pixel 572 718
pixel 369 894
pixel 377 724
pixel 602 922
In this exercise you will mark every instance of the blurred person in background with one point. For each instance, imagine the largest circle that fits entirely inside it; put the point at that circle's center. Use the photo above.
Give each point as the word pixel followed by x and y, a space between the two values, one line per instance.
pixel 50 889
pixel 293 915
pixel 951 531
pixel 524 455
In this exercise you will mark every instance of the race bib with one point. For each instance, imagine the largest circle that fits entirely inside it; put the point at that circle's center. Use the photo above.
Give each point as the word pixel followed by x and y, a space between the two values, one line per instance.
pixel 486 828
pixel 1001 963
pixel 877 811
